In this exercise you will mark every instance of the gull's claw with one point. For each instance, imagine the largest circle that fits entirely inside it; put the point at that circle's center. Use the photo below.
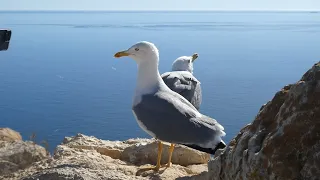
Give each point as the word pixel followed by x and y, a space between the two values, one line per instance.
pixel 154 168
pixel 144 169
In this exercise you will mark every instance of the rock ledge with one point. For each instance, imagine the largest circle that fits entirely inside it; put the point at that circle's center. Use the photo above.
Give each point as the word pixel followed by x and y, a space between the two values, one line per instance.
pixel 86 157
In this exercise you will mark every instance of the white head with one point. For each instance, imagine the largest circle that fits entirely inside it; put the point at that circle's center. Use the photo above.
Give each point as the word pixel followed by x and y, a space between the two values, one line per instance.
pixel 184 63
pixel 146 56
pixel 141 52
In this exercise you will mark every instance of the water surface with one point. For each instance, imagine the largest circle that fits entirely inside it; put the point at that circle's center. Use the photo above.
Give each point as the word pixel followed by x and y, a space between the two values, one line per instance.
pixel 59 76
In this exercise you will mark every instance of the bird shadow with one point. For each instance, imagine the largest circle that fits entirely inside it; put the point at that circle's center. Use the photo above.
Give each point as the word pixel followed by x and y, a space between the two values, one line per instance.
pixel 150 173
pixel 203 175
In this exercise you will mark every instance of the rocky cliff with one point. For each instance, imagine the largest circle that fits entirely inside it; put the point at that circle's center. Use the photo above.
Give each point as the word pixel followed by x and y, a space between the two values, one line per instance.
pixel 87 158
pixel 283 142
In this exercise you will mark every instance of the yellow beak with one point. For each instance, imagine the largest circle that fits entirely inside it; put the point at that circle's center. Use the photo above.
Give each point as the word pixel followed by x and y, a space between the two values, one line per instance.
pixel 194 56
pixel 121 54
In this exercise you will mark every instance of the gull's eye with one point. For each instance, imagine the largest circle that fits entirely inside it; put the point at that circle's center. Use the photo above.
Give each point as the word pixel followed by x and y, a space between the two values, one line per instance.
pixel 136 49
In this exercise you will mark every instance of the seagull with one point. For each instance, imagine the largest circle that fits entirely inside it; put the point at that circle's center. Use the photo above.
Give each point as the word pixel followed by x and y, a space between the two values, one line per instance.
pixel 164 114
pixel 182 81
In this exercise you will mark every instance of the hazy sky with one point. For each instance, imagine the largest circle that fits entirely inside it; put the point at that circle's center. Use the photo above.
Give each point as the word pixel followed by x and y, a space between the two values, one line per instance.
pixel 159 4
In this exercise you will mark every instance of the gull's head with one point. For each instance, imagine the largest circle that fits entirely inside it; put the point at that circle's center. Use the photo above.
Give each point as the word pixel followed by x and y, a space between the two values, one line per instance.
pixel 184 63
pixel 141 52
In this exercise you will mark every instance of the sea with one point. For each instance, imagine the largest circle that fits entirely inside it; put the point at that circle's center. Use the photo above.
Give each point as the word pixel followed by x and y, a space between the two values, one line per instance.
pixel 59 77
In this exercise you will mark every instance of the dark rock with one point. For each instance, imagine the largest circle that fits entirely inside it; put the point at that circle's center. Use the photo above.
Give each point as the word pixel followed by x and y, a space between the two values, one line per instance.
pixel 283 142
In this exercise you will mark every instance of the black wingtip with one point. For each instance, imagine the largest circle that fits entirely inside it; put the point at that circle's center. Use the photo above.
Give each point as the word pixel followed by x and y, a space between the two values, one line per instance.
pixel 220 145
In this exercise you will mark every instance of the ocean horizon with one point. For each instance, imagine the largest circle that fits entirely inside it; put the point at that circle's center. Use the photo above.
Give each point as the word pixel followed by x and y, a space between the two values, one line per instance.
pixel 59 78
pixel 182 10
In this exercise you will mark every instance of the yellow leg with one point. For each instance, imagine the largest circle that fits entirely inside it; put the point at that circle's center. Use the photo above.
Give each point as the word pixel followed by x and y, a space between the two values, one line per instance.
pixel 170 155
pixel 159 156
pixel 157 167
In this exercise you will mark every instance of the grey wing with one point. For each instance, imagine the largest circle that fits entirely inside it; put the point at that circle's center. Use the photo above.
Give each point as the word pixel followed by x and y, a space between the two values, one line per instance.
pixel 171 120
pixel 185 84
pixel 196 100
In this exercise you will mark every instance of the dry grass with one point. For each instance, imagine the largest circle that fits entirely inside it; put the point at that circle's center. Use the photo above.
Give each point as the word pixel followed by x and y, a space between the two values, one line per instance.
pixel 43 143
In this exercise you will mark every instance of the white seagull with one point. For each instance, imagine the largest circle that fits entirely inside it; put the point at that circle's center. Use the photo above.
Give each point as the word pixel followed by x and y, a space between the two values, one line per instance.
pixel 165 114
pixel 182 80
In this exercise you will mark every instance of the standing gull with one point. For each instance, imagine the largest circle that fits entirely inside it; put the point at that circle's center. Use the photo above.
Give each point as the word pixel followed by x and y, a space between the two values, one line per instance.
pixel 165 114
pixel 182 81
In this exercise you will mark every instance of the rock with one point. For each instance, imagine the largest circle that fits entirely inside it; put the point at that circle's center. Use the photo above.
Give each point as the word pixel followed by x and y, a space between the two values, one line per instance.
pixel 7 134
pixel 108 148
pixel 146 153
pixel 137 151
pixel 89 158
pixel 7 167
pixel 15 155
pixel 283 142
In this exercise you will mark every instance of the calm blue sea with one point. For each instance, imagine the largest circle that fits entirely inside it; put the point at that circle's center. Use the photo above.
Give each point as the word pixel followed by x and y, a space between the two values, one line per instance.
pixel 59 77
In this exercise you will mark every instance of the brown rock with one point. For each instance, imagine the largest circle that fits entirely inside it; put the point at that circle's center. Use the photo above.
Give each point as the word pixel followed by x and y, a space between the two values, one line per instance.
pixel 17 155
pixel 137 151
pixel 7 134
pixel 108 148
pixel 145 152
pixel 86 157
pixel 283 142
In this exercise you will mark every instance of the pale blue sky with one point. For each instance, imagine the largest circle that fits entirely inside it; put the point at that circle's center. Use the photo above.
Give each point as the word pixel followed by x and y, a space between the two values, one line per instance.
pixel 159 4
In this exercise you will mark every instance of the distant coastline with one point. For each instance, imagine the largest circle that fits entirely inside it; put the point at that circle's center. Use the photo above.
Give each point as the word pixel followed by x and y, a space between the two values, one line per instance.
pixel 159 11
